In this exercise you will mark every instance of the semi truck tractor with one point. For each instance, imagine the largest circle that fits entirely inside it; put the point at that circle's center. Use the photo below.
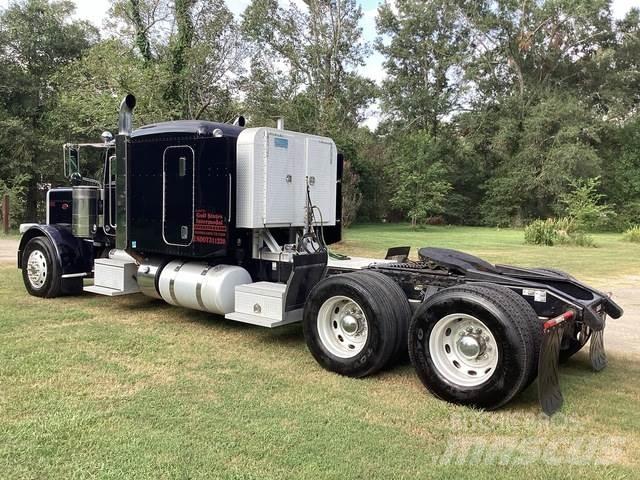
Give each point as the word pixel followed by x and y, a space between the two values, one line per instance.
pixel 238 222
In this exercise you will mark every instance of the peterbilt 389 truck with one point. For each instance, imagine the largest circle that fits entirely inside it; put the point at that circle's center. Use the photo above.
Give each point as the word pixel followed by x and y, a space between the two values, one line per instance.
pixel 238 222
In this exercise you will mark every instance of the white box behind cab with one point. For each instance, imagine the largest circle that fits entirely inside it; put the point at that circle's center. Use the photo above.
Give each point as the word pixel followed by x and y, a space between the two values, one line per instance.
pixel 272 170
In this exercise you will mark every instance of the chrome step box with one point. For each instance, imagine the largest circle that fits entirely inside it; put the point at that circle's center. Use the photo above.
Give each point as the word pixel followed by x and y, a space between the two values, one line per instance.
pixel 263 304
pixel 113 276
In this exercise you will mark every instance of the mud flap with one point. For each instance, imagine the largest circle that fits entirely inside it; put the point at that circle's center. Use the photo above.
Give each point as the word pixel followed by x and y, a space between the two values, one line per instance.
pixel 549 393
pixel 597 354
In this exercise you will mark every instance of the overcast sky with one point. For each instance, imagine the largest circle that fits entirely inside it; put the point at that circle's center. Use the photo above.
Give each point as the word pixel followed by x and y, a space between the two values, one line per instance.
pixel 96 10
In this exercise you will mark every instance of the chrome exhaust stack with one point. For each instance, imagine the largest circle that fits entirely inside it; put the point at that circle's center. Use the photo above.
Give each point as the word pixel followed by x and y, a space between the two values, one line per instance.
pixel 125 119
pixel 125 127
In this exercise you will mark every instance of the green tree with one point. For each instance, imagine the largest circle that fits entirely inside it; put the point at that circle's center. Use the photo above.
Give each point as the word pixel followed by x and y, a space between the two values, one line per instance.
pixel 422 187
pixel 585 205
pixel 90 91
pixel 318 49
pixel 538 156
pixel 304 69
pixel 37 38
pixel 195 42
pixel 538 70
pixel 425 48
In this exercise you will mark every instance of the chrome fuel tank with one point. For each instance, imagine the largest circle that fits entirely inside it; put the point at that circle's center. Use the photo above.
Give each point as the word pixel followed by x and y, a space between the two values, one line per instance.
pixel 84 211
pixel 200 286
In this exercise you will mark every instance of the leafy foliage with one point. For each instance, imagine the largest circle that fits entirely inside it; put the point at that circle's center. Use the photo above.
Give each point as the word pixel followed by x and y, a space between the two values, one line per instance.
pixel 560 231
pixel 584 205
pixel 37 38
pixel 351 195
pixel 632 234
pixel 421 188
pixel 494 112
pixel 542 232
pixel 425 45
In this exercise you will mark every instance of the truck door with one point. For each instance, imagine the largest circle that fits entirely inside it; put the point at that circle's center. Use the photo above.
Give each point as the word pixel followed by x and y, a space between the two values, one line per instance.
pixel 178 195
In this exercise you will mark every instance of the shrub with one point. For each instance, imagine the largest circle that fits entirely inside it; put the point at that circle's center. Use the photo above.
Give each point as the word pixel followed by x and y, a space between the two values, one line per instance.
pixel 560 231
pixel 632 234
pixel 585 205
pixel 541 232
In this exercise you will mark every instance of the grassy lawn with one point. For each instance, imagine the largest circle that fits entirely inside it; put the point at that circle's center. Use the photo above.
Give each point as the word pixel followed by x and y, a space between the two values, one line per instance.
pixel 96 387
pixel 613 258
pixel 12 235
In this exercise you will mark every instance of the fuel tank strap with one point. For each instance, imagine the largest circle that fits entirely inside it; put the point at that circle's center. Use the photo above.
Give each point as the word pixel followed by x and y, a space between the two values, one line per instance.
pixel 172 283
pixel 203 275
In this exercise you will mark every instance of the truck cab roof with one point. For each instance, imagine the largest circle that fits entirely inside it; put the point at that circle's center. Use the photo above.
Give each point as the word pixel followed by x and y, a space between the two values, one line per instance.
pixel 187 127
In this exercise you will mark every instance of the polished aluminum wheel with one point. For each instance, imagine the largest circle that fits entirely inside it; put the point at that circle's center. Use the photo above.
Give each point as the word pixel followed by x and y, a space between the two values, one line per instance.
pixel 37 269
pixel 463 350
pixel 342 327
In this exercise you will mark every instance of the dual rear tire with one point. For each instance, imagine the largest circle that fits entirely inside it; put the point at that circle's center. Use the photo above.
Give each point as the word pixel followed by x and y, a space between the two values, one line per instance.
pixel 356 324
pixel 474 345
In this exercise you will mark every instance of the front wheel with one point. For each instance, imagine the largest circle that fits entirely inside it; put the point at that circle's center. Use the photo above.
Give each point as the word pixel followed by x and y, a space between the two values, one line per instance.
pixel 40 270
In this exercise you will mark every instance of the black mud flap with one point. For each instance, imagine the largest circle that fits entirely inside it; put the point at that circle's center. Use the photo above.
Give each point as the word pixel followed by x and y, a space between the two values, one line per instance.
pixel 596 351
pixel 549 392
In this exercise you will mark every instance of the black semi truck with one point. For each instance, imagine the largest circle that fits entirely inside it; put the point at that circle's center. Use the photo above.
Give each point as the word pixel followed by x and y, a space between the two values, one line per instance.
pixel 238 221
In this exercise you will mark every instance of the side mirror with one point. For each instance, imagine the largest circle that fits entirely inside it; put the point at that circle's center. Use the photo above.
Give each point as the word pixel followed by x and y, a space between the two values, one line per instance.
pixel 71 160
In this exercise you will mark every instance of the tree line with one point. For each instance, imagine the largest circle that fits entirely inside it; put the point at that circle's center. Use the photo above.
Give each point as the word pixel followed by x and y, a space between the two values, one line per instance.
pixel 492 112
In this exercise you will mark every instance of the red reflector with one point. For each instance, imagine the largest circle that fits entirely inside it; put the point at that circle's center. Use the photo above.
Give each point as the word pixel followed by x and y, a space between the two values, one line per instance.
pixel 568 315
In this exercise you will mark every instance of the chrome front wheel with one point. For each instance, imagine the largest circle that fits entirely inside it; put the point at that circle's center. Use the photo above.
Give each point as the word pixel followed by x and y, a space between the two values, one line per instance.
pixel 40 271
pixel 37 269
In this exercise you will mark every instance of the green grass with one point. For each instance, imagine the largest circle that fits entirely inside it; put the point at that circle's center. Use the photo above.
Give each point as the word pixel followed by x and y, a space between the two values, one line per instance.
pixel 12 235
pixel 129 387
pixel 612 258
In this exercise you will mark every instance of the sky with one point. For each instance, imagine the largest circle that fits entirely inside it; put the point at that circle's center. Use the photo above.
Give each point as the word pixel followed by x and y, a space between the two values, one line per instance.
pixel 96 11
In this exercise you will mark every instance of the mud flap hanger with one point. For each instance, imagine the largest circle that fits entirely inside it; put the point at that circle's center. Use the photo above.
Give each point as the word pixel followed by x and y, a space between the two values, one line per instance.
pixel 549 392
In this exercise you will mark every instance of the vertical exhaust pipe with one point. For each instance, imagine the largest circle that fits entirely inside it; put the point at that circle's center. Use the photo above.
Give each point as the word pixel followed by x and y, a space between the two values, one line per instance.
pixel 125 127
pixel 125 119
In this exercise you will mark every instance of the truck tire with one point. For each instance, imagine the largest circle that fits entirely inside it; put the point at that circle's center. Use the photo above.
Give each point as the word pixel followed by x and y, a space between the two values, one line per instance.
pixel 472 345
pixel 401 353
pixel 353 322
pixel 536 326
pixel 40 269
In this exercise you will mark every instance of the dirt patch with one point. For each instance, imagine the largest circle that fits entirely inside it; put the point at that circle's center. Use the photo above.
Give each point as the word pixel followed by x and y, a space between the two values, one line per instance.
pixel 8 250
pixel 623 335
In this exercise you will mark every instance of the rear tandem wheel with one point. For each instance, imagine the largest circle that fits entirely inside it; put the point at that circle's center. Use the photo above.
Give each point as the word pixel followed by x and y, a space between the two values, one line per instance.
pixel 475 344
pixel 355 324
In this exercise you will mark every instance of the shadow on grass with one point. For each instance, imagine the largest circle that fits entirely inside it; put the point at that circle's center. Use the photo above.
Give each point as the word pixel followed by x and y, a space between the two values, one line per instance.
pixel 576 374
